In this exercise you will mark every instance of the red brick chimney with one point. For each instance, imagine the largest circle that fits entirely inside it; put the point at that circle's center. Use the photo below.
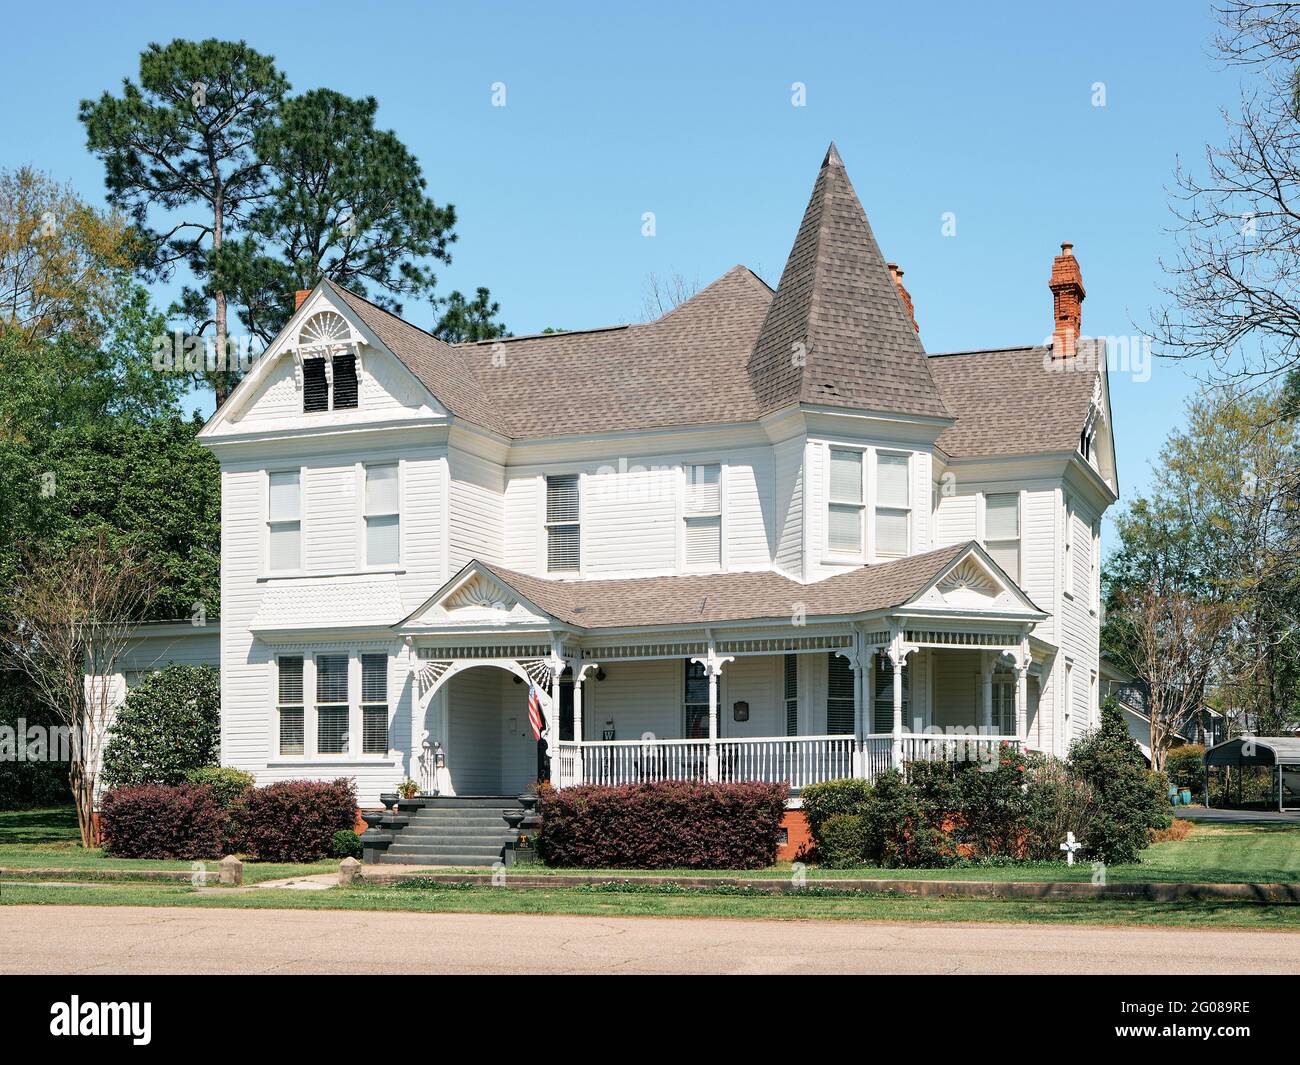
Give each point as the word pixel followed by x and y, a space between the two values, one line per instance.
pixel 299 296
pixel 897 275
pixel 1066 284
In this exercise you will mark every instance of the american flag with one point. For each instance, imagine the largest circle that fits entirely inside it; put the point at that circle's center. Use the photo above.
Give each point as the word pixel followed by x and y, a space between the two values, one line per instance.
pixel 535 711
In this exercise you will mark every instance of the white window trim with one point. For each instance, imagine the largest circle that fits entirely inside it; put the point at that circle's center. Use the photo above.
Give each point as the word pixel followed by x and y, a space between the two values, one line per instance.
pixel 274 745
pixel 267 572
pixel 544 561
pixel 683 484
pixel 864 508
pixel 909 511
pixel 1094 567
pixel 361 543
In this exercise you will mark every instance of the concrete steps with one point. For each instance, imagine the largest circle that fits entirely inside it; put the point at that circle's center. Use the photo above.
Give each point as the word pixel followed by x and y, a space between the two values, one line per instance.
pixel 452 830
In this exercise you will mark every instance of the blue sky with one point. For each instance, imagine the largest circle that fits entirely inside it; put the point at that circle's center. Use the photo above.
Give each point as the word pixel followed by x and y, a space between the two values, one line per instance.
pixel 685 110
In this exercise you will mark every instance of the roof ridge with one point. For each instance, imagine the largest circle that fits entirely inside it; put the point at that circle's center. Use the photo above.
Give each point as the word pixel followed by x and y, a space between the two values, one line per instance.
pixel 738 269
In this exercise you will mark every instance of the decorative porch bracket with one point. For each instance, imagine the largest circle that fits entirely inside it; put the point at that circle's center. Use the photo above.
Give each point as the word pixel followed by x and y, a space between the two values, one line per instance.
pixel 897 651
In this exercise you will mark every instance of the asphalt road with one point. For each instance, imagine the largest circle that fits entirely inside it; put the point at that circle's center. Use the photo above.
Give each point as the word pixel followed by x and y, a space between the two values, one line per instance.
pixel 113 940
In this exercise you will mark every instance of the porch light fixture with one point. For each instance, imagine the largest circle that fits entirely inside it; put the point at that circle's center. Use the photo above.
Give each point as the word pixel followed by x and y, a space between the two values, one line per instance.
pixel 600 673
pixel 740 710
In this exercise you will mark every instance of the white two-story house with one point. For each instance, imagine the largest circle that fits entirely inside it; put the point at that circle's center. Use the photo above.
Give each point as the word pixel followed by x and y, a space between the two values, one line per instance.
pixel 765 536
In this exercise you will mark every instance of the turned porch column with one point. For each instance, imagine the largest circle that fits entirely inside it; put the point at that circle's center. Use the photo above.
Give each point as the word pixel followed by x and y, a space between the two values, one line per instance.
pixel 854 658
pixel 713 663
pixel 1022 700
pixel 898 652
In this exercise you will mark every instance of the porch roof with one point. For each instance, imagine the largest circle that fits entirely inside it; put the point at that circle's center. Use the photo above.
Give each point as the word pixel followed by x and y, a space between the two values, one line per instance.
pixel 716 598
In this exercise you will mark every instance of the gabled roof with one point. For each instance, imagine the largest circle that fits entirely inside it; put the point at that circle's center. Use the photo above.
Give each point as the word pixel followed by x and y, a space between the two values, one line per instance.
pixel 1014 401
pixel 716 598
pixel 839 308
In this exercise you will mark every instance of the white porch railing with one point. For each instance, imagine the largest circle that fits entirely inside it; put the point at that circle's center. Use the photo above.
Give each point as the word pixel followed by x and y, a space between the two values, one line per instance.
pixel 799 760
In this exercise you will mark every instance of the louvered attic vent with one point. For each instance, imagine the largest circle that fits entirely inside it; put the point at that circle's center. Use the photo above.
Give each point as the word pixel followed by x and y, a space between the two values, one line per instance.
pixel 315 392
pixel 345 381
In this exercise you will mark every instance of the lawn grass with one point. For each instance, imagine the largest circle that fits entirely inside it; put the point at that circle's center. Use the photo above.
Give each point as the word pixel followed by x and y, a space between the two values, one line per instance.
pixel 48 839
pixel 608 901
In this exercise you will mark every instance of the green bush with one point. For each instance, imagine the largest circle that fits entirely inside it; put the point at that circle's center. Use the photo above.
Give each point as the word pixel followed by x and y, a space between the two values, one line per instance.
pixel 900 831
pixel 231 788
pixel 1057 802
pixel 842 840
pixel 1185 768
pixel 1131 799
pixel 228 785
pixel 167 726
pixel 823 801
pixel 346 844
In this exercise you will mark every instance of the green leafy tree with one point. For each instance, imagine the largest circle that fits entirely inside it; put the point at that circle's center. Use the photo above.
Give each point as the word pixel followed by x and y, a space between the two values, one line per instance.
pixel 178 152
pixel 1130 798
pixel 469 320
pixel 346 201
pixel 168 726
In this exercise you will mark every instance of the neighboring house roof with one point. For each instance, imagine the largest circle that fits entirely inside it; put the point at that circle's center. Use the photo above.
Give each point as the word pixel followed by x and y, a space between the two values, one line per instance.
pixel 838 306
pixel 1014 401
pixel 1255 750
pixel 716 598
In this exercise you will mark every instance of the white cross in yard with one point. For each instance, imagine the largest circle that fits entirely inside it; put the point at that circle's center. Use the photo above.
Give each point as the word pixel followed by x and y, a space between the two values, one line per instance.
pixel 1070 846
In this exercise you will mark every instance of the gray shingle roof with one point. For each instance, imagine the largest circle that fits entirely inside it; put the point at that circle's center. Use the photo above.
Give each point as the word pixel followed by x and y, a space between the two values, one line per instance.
pixel 1015 401
pixel 837 299
pixel 712 598
pixel 725 356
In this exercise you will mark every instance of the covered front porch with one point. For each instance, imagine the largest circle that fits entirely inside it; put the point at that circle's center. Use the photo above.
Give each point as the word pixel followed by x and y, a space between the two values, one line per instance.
pixel 947 673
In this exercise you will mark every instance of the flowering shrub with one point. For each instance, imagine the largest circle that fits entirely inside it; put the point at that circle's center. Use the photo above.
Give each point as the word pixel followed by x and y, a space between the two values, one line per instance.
pixel 665 825
pixel 168 725
pixel 295 821
pixel 162 821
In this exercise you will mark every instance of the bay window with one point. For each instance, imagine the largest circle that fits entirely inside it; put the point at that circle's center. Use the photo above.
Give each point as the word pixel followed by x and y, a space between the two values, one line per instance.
pixel 844 514
pixel 289 703
pixel 332 704
pixel 374 704
pixel 893 504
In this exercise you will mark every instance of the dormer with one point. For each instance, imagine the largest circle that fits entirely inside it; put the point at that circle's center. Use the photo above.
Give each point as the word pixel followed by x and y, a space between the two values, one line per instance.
pixel 326 350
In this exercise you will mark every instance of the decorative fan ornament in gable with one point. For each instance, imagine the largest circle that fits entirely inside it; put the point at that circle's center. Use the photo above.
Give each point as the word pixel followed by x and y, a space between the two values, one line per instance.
pixel 969 576
pixel 325 332
pixel 481 593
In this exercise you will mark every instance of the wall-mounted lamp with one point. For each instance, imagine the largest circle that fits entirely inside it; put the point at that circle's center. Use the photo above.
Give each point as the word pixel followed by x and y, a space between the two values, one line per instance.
pixel 600 673
pixel 740 710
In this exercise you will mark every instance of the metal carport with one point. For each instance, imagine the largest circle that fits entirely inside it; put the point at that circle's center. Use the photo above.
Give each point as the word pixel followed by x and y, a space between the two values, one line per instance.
pixel 1280 752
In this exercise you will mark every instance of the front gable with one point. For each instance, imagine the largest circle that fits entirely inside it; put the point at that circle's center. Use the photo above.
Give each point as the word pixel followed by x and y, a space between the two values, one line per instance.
pixel 271 395
pixel 972 583
pixel 475 598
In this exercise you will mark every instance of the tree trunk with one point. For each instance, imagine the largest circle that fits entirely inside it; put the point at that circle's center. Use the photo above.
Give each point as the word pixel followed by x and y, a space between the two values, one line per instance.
pixel 221 373
pixel 83 796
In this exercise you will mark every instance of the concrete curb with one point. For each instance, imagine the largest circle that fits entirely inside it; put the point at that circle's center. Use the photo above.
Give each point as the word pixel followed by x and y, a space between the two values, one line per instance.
pixel 1152 892
pixel 212 874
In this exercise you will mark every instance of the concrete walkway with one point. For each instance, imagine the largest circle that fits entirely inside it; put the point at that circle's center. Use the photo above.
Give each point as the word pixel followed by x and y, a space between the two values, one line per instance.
pixel 129 939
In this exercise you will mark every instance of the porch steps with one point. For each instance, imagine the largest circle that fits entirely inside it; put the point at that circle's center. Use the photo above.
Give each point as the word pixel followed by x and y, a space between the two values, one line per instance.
pixel 453 830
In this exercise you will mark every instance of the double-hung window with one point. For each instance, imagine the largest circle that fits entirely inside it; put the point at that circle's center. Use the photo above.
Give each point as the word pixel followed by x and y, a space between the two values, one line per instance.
pixel 563 528
pixel 702 513
pixel 791 692
pixel 374 704
pixel 1002 530
pixel 284 521
pixel 844 514
pixel 893 504
pixel 695 701
pixel 332 704
pixel 289 703
pixel 883 704
pixel 839 695
pixel 383 516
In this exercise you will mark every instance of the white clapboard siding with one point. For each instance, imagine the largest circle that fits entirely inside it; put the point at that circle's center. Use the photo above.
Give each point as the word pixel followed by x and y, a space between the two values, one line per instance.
pixel 957 519
pixel 788 516
pixel 630 518
pixel 1038 553
pixel 476 502
pixel 330 519
pixel 639 697
pixel 522 516
pixel 749 501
